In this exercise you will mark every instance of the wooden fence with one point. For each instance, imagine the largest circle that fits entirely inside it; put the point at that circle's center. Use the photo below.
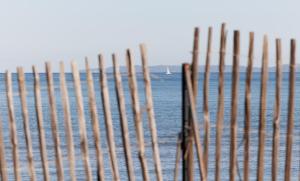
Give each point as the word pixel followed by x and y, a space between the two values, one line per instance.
pixel 188 140
pixel 190 128
pixel 82 122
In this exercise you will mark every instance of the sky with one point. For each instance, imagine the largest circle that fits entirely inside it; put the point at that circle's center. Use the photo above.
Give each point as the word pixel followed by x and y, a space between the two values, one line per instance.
pixel 32 32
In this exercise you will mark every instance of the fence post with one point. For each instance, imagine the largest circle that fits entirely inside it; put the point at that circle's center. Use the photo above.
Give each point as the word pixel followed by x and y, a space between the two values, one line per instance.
pixel 206 115
pixel 3 165
pixel 53 118
pixel 220 109
pixel 187 135
pixel 67 121
pixel 185 126
pixel 247 133
pixel 277 111
pixel 291 107
pixel 262 114
pixel 137 114
pixel 40 123
pixel 234 105
pixel 26 123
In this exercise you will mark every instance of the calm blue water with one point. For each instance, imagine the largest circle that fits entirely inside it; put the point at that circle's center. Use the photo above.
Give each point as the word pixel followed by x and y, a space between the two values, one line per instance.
pixel 167 102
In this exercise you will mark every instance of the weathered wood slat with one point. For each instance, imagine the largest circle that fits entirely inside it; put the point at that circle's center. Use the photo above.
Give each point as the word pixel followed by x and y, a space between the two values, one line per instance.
pixel 137 114
pixel 190 139
pixel 108 119
pixel 178 155
pixel 123 119
pixel 82 123
pixel 262 114
pixel 53 116
pixel 95 120
pixel 194 119
pixel 277 111
pixel 185 126
pixel 67 121
pixel 3 165
pixel 13 126
pixel 291 106
pixel 220 109
pixel 39 115
pixel 206 115
pixel 26 124
pixel 234 105
pixel 150 111
pixel 247 127
pixel 195 62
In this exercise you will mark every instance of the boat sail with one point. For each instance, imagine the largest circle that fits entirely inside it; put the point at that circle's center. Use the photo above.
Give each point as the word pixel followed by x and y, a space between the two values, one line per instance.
pixel 168 72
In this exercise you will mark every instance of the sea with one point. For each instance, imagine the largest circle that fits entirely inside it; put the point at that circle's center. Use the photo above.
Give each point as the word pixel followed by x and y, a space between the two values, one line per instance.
pixel 166 90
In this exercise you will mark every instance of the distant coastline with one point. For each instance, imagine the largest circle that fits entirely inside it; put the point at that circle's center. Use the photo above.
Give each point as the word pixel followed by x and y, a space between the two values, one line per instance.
pixel 177 68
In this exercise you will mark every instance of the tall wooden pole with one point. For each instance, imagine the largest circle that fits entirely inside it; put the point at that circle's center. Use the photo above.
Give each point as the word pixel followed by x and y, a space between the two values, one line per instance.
pixel 291 106
pixel 206 115
pixel 262 114
pixel 67 122
pixel 150 111
pixel 3 165
pixel 82 123
pixel 248 107
pixel 53 116
pixel 187 132
pixel 40 123
pixel 234 105
pixel 108 119
pixel 193 117
pixel 137 114
pixel 13 126
pixel 95 120
pixel 220 112
pixel 26 123
pixel 277 111
pixel 123 118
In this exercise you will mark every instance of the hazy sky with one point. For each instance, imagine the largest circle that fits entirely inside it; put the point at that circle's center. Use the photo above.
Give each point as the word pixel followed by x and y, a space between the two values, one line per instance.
pixel 32 32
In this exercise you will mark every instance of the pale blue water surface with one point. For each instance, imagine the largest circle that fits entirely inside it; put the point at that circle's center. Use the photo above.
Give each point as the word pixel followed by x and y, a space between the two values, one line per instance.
pixel 166 91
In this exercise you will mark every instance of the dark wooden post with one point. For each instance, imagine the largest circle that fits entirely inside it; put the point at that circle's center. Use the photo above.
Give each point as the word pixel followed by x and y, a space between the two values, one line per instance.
pixel 187 143
pixel 187 132
pixel 185 125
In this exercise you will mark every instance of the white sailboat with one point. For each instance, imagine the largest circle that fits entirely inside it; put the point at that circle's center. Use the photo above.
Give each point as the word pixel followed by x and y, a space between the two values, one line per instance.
pixel 168 72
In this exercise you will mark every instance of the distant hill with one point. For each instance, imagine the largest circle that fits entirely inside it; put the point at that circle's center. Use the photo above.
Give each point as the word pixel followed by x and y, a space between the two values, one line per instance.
pixel 177 68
